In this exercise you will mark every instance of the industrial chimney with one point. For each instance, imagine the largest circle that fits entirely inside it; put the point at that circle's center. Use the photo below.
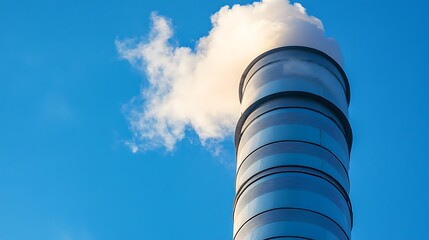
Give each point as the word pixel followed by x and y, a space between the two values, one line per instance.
pixel 293 143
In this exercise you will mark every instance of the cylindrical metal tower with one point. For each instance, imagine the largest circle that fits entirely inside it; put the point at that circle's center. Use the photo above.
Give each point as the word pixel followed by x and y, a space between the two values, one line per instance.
pixel 293 143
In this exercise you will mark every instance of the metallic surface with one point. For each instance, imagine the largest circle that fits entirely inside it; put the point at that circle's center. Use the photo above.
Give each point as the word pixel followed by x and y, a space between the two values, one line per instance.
pixel 293 143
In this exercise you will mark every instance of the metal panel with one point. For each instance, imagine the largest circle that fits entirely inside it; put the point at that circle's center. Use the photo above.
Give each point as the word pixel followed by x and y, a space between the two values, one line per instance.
pixel 291 153
pixel 294 75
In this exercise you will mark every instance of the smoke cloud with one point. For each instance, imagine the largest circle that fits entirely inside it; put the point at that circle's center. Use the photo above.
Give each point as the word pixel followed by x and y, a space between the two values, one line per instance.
pixel 197 88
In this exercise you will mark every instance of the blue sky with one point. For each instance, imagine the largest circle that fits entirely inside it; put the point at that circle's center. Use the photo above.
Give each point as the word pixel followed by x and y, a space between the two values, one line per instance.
pixel 66 173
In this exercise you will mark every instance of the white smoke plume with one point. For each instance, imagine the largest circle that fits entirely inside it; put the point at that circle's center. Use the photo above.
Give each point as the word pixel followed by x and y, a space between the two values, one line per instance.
pixel 198 88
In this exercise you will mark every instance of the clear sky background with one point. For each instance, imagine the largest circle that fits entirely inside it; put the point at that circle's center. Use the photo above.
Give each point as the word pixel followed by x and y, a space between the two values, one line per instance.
pixel 66 174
